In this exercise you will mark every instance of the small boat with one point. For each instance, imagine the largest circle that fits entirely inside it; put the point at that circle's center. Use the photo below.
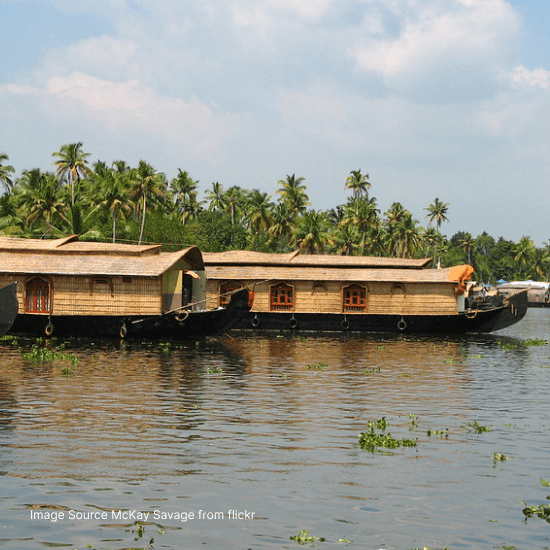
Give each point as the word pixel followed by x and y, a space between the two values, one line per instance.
pixel 358 293
pixel 73 288
pixel 8 307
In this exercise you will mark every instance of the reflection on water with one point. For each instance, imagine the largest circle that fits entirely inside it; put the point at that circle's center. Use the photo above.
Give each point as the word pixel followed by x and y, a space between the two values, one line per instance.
pixel 269 426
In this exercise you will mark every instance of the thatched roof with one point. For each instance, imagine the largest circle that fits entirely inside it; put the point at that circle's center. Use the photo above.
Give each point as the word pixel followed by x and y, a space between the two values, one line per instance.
pixel 295 259
pixel 69 256
pixel 271 274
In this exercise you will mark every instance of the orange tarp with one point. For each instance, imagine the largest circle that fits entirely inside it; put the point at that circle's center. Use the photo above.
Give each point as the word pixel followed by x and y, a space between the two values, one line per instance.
pixel 460 274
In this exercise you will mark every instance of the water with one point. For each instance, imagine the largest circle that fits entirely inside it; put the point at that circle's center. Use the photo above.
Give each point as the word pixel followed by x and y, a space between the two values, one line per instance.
pixel 269 427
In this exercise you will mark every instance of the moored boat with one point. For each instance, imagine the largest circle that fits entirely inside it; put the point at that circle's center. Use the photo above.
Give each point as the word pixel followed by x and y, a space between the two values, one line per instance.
pixel 357 293
pixel 538 293
pixel 8 307
pixel 74 288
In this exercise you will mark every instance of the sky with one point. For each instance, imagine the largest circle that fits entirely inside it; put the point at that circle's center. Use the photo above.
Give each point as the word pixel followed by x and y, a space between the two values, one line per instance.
pixel 430 98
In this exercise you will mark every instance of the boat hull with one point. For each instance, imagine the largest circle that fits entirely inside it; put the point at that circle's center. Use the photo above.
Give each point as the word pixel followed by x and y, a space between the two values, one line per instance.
pixel 512 310
pixel 193 325
pixel 8 307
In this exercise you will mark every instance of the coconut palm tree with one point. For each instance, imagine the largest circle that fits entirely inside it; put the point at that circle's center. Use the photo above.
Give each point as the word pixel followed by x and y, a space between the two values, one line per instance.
pixel 525 256
pixel 346 240
pixel 437 211
pixel 259 214
pixel 282 226
pixel 312 232
pixel 362 214
pixel 6 171
pixel 358 183
pixel 216 197
pixel 185 190
pixel 72 165
pixel 293 194
pixel 149 188
pixel 113 188
pixel 41 201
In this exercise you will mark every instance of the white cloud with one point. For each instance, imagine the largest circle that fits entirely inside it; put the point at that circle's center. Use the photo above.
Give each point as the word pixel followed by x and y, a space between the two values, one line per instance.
pixel 524 79
pixel 440 42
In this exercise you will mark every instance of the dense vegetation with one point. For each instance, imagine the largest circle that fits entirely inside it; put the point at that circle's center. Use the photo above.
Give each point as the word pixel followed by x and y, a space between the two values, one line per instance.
pixel 121 203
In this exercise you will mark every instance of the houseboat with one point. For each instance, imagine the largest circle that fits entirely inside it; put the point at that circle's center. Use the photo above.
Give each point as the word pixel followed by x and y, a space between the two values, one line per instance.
pixel 356 293
pixel 538 294
pixel 70 287
pixel 8 307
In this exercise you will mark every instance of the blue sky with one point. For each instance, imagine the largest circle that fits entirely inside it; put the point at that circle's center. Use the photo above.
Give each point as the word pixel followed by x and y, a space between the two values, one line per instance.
pixel 431 98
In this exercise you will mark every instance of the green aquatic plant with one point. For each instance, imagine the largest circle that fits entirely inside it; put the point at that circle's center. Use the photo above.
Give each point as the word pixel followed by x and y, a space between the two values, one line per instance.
pixel 305 538
pixel 541 511
pixel 444 432
pixel 477 428
pixel 214 370
pixel 499 457
pixel 521 344
pixel 371 370
pixel 317 366
pixel 39 354
pixel 372 439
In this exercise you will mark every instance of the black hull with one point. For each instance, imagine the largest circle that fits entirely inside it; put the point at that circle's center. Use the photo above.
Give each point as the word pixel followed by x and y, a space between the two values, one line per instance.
pixel 480 321
pixel 8 307
pixel 193 325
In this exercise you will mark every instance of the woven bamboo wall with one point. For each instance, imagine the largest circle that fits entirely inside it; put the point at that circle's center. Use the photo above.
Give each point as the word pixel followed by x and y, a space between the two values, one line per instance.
pixel 72 295
pixel 382 297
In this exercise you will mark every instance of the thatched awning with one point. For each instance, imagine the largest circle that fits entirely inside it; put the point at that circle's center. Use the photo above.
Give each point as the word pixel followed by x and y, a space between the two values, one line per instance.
pixel 69 256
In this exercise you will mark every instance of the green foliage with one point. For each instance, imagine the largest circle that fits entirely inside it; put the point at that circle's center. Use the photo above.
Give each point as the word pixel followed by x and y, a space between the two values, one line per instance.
pixel 316 366
pixel 376 437
pixel 38 354
pixel 305 538
pixel 138 204
pixel 477 428
pixel 541 511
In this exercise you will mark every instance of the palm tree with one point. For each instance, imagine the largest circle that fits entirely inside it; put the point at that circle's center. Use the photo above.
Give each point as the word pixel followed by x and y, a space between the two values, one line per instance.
pixel 358 183
pixel 113 187
pixel 234 199
pixel 293 194
pixel 404 238
pixel 149 185
pixel 282 225
pixel 312 232
pixel 185 190
pixel 437 211
pixel 433 241
pixel 525 256
pixel 362 214
pixel 216 197
pixel 5 172
pixel 259 211
pixel 42 203
pixel 346 239
pixel 72 165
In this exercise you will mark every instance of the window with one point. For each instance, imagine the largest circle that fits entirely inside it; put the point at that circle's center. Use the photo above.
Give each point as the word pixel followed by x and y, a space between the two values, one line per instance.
pixel 37 296
pixel 355 298
pixel 226 290
pixel 102 286
pixel 281 297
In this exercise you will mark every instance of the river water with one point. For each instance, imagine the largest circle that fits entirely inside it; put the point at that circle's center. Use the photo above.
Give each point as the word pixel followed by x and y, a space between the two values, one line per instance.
pixel 245 442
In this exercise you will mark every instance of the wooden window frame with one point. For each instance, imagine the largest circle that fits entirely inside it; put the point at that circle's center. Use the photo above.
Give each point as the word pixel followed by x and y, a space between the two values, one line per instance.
pixel 282 297
pixel 354 298
pixel 39 291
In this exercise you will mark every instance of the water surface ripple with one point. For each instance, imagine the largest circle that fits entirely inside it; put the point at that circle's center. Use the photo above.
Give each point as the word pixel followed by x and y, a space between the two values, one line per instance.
pixel 270 426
